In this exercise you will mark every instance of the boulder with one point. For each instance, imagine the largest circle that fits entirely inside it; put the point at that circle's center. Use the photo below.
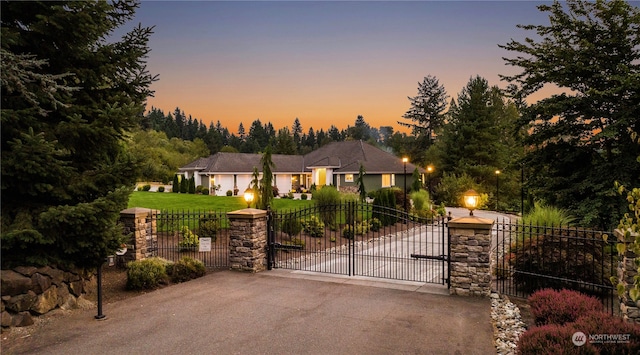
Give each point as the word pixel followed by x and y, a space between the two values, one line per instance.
pixel 26 270
pixel 5 319
pixel 46 301
pixel 22 302
pixel 63 295
pixel 14 283
pixel 21 319
pixel 40 283
pixel 56 275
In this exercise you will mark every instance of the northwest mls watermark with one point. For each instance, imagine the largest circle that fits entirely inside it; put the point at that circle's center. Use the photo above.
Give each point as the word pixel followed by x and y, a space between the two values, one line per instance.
pixel 579 338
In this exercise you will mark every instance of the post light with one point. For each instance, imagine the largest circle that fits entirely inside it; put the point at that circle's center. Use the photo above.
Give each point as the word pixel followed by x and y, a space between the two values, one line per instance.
pixel 429 171
pixel 248 196
pixel 471 199
pixel 497 187
pixel 404 162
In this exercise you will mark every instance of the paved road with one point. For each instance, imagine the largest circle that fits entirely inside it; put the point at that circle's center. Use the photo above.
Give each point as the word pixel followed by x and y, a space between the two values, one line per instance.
pixel 275 312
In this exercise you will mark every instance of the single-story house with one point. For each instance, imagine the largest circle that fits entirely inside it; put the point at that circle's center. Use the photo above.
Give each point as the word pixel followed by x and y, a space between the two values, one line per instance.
pixel 336 164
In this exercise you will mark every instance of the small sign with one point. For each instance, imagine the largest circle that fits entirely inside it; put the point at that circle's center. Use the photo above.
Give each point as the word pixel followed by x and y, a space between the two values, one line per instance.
pixel 205 244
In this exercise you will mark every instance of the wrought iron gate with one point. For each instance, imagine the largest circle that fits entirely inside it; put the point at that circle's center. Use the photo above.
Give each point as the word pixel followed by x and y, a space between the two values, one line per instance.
pixel 360 239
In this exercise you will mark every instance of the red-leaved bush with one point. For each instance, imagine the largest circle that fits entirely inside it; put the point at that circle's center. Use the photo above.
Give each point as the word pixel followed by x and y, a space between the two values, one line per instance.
pixel 551 339
pixel 609 334
pixel 559 307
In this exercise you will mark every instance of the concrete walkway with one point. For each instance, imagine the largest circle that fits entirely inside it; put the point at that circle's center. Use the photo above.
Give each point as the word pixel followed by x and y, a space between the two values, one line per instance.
pixel 275 312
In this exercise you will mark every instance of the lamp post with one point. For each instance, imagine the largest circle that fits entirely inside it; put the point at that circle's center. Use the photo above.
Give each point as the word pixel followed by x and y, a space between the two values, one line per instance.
pixel 471 199
pixel 429 171
pixel 404 162
pixel 248 196
pixel 497 188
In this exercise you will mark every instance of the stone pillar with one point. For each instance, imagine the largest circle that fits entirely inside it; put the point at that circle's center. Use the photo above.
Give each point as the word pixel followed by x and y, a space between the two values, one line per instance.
pixel 627 270
pixel 140 223
pixel 248 240
pixel 470 246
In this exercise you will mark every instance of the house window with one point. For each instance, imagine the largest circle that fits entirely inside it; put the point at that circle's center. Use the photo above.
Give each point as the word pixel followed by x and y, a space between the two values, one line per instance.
pixel 348 177
pixel 386 180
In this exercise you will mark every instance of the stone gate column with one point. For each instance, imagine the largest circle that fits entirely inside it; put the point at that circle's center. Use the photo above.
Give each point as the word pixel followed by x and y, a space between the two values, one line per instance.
pixel 470 256
pixel 627 270
pixel 248 240
pixel 140 223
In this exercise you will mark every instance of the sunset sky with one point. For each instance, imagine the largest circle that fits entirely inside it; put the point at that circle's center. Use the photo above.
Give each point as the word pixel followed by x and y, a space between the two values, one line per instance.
pixel 323 62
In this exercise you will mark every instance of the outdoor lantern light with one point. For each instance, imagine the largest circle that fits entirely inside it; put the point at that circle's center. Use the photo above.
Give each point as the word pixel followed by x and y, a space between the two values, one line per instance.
pixel 248 196
pixel 404 161
pixel 471 200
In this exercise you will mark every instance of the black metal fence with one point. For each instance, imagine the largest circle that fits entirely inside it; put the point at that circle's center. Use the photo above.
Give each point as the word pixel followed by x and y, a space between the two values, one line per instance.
pixel 185 233
pixel 360 239
pixel 528 258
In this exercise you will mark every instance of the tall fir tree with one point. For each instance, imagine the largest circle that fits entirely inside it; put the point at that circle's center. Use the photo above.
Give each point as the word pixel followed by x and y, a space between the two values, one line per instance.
pixel 65 173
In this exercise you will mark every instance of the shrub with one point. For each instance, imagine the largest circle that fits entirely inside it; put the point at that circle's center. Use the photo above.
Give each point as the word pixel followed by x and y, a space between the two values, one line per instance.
pixel 229 193
pixel 161 189
pixel 559 307
pixel 275 191
pixel 295 241
pixel 452 187
pixel 205 192
pixel 375 224
pixel 291 225
pixel 208 226
pixel 304 197
pixel 551 339
pixel 146 274
pixel 326 199
pixel 598 323
pixel 542 215
pixel 384 207
pixel 186 269
pixel 420 200
pixel 146 187
pixel 189 239
pixel 348 232
pixel 314 227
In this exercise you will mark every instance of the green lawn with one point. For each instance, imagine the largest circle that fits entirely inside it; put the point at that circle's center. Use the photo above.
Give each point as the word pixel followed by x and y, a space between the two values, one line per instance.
pixel 173 201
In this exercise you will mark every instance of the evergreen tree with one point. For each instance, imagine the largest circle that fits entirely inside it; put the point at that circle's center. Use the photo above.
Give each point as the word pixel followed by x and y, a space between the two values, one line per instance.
pixel 360 182
pixel 427 111
pixel 176 184
pixel 579 141
pixel 284 142
pixel 477 139
pixel 65 173
pixel 266 183
pixel 192 185
pixel 184 185
pixel 296 130
pixel 241 132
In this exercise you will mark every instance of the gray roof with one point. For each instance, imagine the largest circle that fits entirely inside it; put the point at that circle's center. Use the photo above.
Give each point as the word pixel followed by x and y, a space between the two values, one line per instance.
pixel 343 157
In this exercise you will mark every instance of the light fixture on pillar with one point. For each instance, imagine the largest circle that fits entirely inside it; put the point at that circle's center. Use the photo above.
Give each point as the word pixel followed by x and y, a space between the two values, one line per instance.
pixel 248 196
pixel 471 200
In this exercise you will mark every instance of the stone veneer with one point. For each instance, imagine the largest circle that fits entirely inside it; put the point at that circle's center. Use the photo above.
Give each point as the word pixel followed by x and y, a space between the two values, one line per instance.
pixel 248 240
pixel 29 291
pixel 470 256
pixel 141 225
pixel 627 270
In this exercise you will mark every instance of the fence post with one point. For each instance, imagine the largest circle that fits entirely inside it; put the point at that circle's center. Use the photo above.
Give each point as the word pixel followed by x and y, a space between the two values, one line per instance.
pixel 627 270
pixel 141 224
pixel 470 243
pixel 248 240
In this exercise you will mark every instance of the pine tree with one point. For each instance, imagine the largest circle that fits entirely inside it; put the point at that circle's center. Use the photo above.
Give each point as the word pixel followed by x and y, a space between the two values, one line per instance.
pixel 68 98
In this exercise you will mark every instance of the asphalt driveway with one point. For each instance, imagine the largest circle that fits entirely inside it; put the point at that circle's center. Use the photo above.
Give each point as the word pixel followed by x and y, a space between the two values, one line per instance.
pixel 275 312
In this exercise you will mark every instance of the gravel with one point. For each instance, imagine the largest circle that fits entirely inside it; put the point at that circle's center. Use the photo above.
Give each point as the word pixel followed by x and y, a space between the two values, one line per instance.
pixel 507 324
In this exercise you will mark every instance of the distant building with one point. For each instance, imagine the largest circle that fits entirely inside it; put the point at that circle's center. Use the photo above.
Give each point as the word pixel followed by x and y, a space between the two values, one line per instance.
pixel 336 164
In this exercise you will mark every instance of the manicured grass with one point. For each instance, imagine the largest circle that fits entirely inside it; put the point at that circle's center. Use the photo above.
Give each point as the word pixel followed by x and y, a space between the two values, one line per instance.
pixel 176 202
